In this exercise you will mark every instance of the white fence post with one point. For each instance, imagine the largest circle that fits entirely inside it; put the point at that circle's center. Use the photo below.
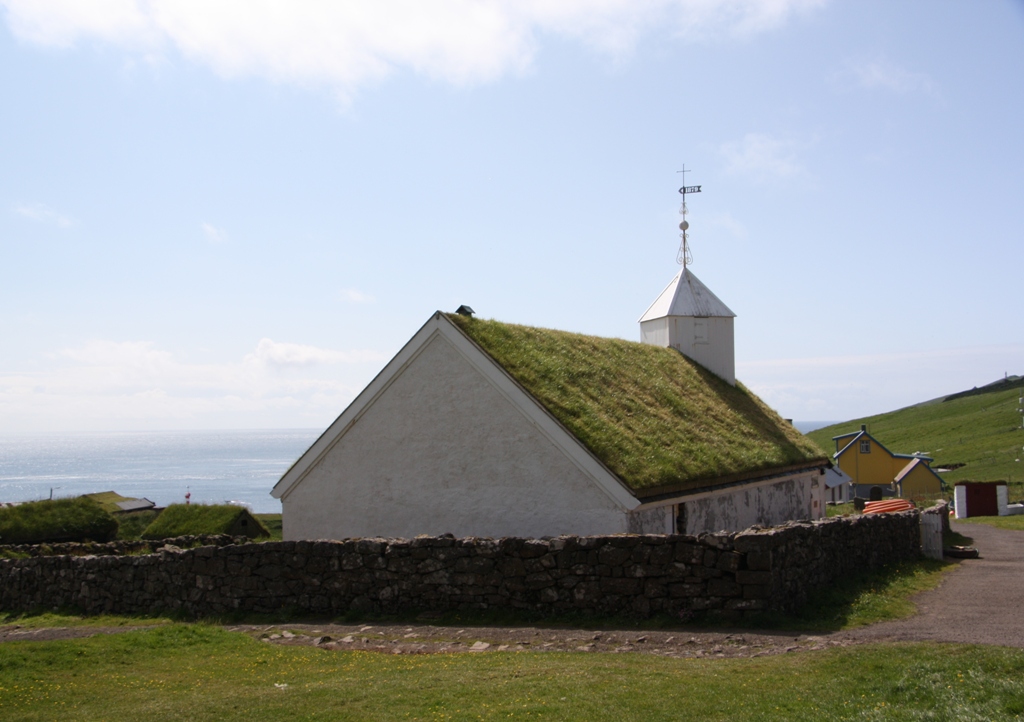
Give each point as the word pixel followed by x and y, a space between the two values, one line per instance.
pixel 931 536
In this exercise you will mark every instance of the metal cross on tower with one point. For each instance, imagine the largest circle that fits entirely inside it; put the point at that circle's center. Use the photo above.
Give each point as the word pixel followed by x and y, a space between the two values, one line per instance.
pixel 683 257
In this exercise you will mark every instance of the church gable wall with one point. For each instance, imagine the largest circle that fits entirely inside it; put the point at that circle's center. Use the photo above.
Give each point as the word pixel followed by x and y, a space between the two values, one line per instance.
pixel 442 450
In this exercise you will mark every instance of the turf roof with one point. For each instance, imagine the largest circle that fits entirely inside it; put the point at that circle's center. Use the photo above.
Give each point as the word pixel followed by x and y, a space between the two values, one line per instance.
pixel 651 415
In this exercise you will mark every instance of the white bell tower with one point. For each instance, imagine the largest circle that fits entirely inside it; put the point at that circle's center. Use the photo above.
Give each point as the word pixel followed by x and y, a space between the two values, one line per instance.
pixel 688 317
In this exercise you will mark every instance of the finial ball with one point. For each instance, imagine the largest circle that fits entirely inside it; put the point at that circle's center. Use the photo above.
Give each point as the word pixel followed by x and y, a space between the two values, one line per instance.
pixel 684 225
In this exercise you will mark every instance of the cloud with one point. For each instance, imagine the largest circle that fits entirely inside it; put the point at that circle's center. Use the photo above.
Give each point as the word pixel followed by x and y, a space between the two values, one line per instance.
pixel 292 354
pixel 883 74
pixel 356 296
pixel 214 234
pixel 848 387
pixel 346 45
pixel 730 224
pixel 762 158
pixel 43 214
pixel 135 384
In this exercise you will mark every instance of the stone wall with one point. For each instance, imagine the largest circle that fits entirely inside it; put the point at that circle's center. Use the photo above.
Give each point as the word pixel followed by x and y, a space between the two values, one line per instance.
pixel 733 573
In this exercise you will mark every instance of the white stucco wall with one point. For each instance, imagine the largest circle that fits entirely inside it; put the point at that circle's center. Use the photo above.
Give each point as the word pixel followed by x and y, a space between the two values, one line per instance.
pixel 443 450
pixel 767 504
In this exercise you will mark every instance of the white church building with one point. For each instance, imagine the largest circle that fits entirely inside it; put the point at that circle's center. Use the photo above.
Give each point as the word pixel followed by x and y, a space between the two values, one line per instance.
pixel 482 428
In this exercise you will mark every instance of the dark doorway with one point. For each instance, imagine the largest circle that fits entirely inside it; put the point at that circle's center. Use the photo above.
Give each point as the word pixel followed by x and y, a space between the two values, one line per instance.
pixel 981 500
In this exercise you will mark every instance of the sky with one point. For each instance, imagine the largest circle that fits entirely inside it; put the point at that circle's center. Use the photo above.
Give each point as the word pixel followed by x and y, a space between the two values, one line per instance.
pixel 229 214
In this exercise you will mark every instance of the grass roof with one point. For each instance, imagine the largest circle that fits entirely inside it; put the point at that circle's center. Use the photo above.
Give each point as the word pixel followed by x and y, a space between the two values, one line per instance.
pixel 651 415
pixel 57 520
pixel 108 500
pixel 197 519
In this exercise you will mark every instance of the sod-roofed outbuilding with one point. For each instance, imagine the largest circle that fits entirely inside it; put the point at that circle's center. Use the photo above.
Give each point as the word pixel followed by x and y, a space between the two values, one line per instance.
pixel 200 519
pixel 482 428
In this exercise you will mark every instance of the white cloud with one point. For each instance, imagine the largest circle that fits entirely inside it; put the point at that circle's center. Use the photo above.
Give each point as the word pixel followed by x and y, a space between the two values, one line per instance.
pixel 43 214
pixel 348 44
pixel 848 387
pixel 273 353
pixel 761 158
pixel 134 384
pixel 214 234
pixel 883 74
pixel 355 296
pixel 730 224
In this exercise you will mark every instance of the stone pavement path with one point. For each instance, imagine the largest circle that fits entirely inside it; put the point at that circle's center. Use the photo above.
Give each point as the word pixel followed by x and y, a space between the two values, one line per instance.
pixel 981 602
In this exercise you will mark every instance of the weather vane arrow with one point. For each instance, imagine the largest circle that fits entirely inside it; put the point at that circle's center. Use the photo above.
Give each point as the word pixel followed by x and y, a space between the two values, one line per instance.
pixel 683 257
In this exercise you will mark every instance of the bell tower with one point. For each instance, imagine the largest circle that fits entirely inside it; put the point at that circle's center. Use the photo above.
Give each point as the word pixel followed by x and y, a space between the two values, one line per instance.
pixel 688 317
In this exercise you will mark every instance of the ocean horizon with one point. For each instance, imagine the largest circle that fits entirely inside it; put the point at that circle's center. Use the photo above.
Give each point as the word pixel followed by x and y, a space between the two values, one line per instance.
pixel 239 467
pixel 214 467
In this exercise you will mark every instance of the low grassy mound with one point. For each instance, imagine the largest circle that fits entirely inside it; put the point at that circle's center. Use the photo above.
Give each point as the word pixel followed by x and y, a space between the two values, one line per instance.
pixel 194 519
pixel 57 520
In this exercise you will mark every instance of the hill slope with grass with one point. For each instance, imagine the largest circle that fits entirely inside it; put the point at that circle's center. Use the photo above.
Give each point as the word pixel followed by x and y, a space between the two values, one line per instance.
pixel 980 429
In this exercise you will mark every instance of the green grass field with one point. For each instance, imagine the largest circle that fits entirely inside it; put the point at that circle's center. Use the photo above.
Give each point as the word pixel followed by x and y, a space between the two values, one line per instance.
pixel 982 431
pixel 999 522
pixel 272 523
pixel 203 673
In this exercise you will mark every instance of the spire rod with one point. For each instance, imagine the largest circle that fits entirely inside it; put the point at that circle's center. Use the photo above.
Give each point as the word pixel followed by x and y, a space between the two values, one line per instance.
pixel 683 257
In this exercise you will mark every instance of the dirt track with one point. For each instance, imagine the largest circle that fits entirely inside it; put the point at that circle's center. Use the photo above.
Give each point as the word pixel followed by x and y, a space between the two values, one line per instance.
pixel 981 602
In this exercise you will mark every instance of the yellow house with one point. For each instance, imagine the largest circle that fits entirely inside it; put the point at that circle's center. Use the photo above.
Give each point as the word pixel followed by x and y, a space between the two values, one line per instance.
pixel 917 480
pixel 871 465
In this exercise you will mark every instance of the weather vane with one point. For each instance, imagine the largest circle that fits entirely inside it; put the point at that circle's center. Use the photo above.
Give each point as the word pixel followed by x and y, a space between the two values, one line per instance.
pixel 683 257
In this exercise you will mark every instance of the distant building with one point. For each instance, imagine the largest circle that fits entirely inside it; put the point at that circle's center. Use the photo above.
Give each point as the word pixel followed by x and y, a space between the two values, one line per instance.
pixel 838 486
pixel 876 471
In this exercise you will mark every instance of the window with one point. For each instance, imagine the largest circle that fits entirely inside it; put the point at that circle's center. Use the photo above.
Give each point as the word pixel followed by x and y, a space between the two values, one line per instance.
pixel 865 446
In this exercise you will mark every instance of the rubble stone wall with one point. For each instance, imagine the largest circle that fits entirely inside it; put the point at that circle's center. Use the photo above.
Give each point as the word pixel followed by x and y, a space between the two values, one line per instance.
pixel 732 573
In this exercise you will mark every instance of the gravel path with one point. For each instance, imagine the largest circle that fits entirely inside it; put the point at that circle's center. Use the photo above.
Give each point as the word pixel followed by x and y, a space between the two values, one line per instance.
pixel 981 602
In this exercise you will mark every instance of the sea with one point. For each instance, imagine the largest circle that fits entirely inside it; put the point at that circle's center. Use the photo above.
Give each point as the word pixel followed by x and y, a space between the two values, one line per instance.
pixel 214 467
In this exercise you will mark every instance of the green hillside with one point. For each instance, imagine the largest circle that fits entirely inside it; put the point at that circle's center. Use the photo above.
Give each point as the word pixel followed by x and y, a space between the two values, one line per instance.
pixel 980 429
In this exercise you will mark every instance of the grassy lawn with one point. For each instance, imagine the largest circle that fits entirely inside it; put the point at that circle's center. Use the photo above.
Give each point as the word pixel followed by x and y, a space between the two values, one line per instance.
pixel 203 673
pixel 878 596
pixel 999 522
pixel 840 509
pixel 272 522
pixel 69 619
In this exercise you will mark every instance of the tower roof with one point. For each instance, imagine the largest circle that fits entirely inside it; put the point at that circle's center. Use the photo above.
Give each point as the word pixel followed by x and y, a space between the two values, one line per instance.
pixel 685 295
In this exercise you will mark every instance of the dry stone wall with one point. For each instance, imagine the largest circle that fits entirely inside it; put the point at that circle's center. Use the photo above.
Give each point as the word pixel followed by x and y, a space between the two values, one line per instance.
pixel 729 573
